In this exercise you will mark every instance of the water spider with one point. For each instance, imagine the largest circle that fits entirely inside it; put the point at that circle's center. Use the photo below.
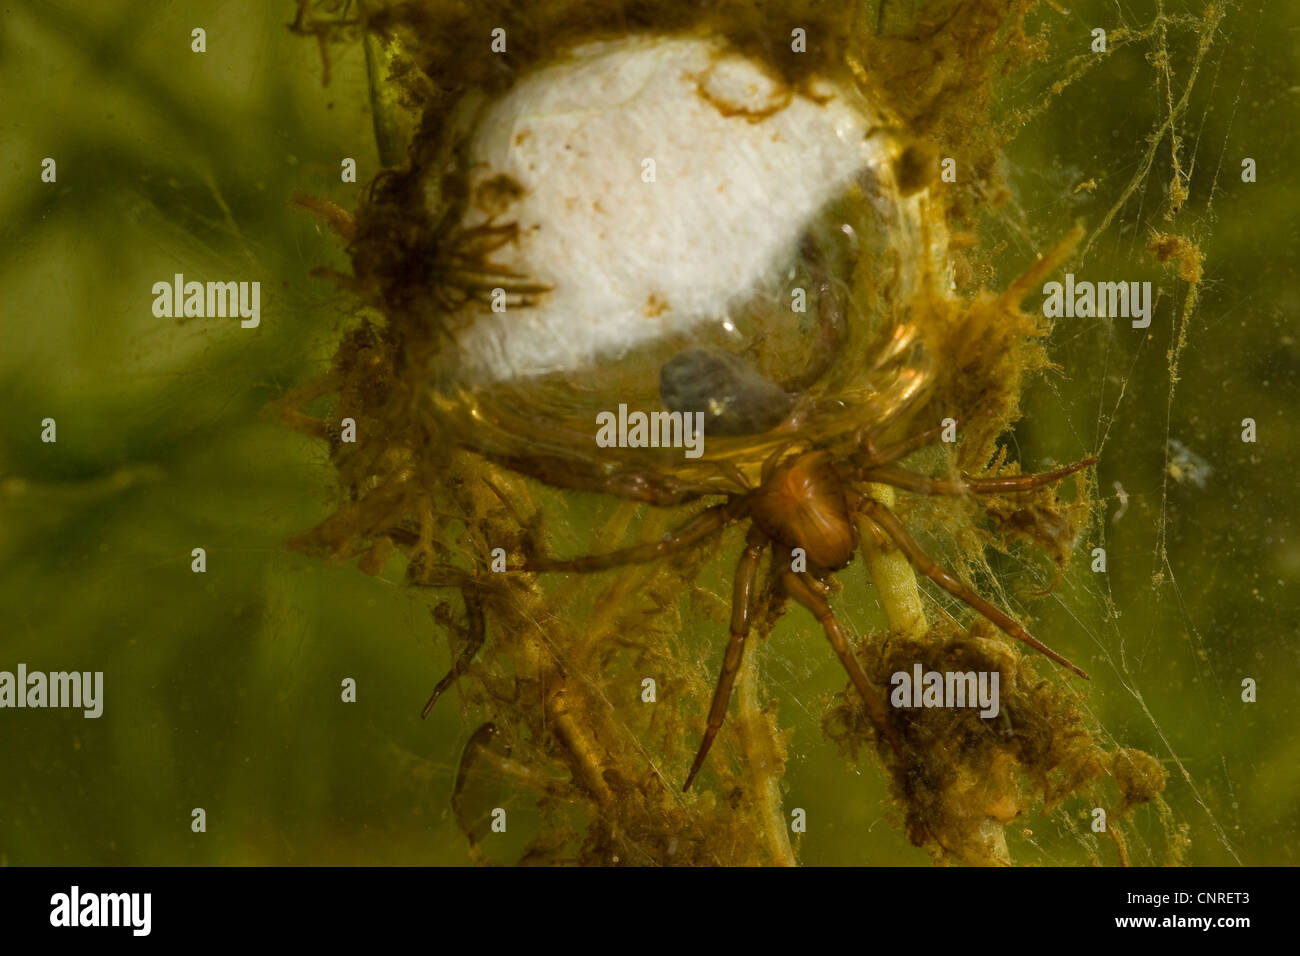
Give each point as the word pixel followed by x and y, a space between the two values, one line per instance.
pixel 807 502
pixel 459 261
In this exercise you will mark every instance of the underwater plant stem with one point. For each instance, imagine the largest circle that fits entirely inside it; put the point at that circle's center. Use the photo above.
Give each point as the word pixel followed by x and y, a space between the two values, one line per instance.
pixel 537 660
pixel 1040 270
pixel 892 575
pixel 587 762
pixel 388 138
pixel 763 764
pixel 1120 843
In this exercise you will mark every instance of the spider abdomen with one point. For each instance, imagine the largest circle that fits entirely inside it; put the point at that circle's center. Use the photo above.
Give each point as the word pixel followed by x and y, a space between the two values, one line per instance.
pixel 802 505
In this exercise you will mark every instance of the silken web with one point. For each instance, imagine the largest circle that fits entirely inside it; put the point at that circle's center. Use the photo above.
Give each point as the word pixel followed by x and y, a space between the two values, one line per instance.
pixel 1185 54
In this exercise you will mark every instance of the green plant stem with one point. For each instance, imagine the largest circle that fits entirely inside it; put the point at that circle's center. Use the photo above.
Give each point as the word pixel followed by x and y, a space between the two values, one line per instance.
pixel 892 575
pixel 763 763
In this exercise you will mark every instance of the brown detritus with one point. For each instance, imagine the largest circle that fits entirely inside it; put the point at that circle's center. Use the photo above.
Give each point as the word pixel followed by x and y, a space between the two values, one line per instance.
pixel 1121 845
pixel 1182 251
pixel 1139 776
pixel 494 195
pixel 656 305
pixel 1039 518
pixel 783 96
pixel 916 168
pixel 964 777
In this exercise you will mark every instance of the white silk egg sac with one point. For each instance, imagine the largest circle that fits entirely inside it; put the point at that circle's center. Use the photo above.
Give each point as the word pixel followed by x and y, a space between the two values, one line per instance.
pixel 635 199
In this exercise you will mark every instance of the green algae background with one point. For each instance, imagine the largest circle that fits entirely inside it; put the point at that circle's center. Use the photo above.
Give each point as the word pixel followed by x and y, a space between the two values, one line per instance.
pixel 222 690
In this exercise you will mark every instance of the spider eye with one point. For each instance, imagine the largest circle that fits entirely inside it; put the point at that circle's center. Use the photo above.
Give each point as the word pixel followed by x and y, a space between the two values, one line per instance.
pixel 664 223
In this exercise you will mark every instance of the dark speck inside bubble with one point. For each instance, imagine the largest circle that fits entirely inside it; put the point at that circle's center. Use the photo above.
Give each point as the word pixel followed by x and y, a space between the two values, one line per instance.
pixel 734 399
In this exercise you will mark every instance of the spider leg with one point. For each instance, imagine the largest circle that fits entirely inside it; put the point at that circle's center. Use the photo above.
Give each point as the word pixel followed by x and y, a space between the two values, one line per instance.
pixel 653 488
pixel 335 217
pixel 707 522
pixel 866 440
pixel 821 587
pixel 478 241
pixel 889 523
pixel 771 461
pixel 735 475
pixel 1006 484
pixel 799 588
pixel 496 278
pixel 287 406
pixel 477 629
pixel 742 609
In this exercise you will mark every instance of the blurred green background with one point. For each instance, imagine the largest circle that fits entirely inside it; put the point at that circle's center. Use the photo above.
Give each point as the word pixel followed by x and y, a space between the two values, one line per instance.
pixel 222 690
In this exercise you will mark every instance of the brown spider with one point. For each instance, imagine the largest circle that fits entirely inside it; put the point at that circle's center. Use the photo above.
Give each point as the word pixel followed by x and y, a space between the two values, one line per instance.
pixel 808 500
pixel 456 257
pixel 460 260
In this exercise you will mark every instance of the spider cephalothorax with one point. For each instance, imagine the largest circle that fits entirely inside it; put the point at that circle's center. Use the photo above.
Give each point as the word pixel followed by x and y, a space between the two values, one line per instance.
pixel 801 504
pixel 804 509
